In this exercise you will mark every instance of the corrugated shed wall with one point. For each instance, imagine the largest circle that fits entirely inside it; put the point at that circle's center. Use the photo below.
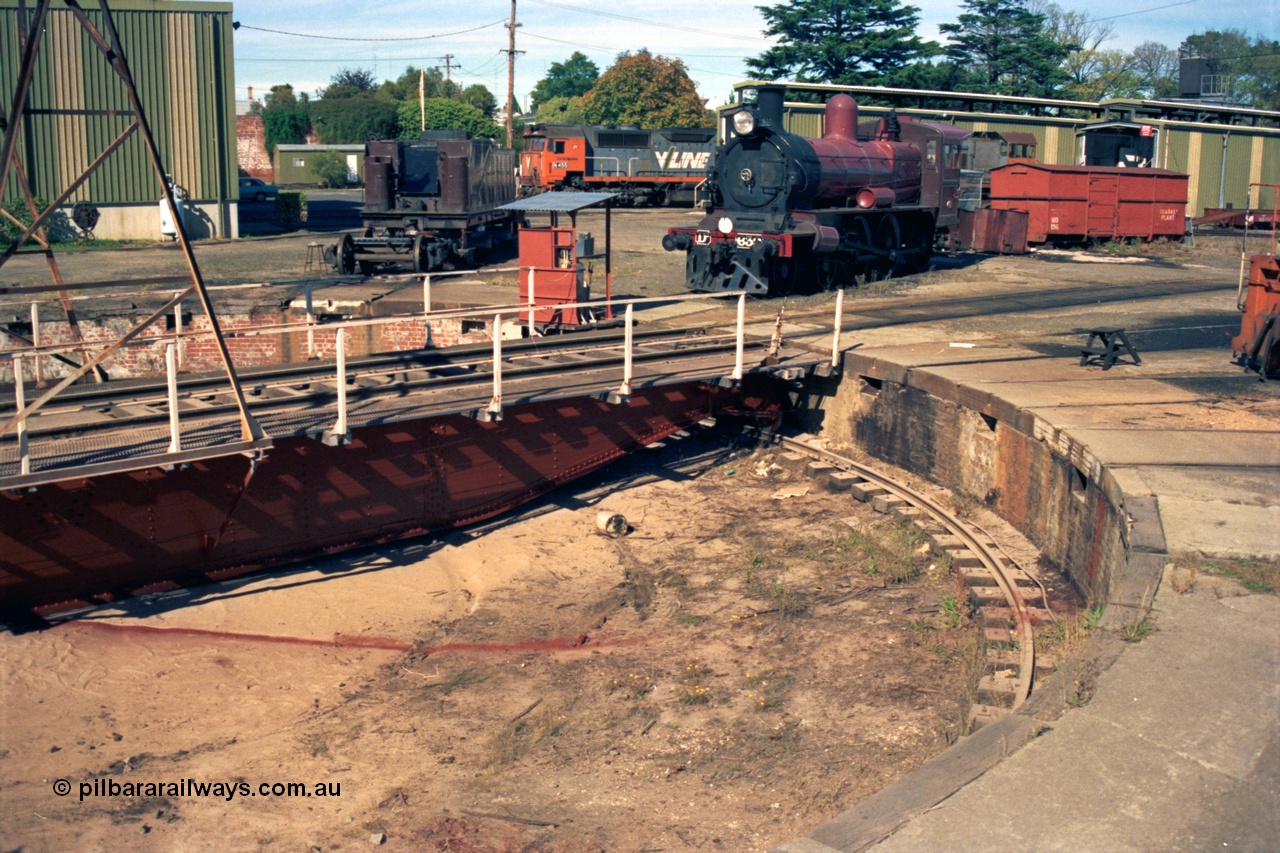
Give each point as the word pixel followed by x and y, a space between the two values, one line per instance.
pixel 180 56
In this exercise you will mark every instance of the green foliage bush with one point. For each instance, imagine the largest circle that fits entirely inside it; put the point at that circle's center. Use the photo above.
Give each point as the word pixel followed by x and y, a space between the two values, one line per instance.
pixel 445 114
pixel 330 167
pixel 58 227
pixel 341 121
pixel 291 209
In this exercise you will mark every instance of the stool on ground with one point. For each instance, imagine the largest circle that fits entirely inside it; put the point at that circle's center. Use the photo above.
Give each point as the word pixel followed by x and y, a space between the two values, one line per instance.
pixel 315 257
pixel 1110 342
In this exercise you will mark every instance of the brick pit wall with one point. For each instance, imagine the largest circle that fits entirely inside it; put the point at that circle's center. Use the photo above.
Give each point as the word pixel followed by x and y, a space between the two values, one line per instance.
pixel 1036 477
pixel 200 353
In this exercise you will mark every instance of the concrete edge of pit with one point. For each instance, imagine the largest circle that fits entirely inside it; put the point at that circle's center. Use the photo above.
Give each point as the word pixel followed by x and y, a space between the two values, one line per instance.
pixel 1111 543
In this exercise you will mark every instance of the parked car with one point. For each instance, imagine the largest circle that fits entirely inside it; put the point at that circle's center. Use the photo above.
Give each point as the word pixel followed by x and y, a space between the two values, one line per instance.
pixel 252 189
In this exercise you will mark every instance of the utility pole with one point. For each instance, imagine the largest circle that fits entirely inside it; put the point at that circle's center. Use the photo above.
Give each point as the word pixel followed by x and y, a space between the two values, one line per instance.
pixel 448 57
pixel 511 74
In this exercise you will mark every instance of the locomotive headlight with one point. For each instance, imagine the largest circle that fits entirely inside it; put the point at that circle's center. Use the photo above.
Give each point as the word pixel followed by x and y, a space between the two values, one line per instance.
pixel 744 122
pixel 726 225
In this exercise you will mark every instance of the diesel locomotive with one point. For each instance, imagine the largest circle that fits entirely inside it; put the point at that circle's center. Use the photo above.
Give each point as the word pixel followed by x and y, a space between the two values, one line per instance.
pixel 852 204
pixel 645 167
pixel 430 203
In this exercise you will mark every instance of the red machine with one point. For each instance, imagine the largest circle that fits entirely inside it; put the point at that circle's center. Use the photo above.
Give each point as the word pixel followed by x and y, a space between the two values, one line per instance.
pixel 1258 344
pixel 1080 203
pixel 554 280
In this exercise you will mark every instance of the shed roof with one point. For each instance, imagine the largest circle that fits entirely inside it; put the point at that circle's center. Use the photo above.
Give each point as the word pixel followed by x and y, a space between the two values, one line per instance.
pixel 563 202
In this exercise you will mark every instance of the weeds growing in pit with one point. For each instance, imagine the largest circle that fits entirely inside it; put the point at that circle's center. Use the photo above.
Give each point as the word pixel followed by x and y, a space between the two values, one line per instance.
pixel 767 691
pixel 1136 632
pixel 1065 638
pixel 1254 574
pixel 522 736
pixel 693 690
pixel 461 678
pixel 314 745
pixel 633 686
pixel 950 614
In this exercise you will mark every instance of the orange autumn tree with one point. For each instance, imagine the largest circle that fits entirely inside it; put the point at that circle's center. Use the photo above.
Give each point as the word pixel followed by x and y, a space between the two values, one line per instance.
pixel 646 91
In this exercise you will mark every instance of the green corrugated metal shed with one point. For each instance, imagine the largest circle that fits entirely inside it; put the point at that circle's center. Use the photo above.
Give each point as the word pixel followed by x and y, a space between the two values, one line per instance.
pixel 182 62
pixel 292 162
pixel 1220 171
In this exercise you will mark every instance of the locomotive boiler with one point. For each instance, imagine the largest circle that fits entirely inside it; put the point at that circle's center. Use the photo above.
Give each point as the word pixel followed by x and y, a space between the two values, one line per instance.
pixel 826 211
pixel 430 203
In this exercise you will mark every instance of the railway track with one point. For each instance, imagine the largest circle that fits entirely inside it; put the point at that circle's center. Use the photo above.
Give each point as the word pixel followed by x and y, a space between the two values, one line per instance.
pixel 278 390
pixel 997 590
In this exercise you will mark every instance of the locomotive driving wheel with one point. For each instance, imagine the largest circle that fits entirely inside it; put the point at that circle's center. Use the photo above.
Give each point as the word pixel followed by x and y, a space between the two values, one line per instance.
pixel 421 260
pixel 346 255
pixel 859 266
pixel 782 276
pixel 831 273
pixel 887 248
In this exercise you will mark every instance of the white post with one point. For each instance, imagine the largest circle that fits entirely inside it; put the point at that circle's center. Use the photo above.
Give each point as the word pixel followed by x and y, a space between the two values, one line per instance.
pixel 532 302
pixel 426 295
pixel 625 390
pixel 20 400
pixel 742 328
pixel 340 428
pixel 35 338
pixel 311 320
pixel 495 405
pixel 171 371
pixel 835 334
pixel 177 332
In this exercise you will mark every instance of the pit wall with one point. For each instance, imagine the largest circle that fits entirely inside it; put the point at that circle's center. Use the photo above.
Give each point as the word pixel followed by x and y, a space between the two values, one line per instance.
pixel 1038 478
pixel 199 354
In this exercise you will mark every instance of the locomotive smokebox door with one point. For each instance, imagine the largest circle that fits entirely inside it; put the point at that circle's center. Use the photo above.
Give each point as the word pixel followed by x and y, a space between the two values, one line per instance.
pixel 555 273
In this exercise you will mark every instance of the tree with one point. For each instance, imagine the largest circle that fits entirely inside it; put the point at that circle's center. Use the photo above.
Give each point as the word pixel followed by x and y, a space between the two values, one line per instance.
pixel 561 111
pixel 645 91
pixel 444 114
pixel 349 82
pixel 480 97
pixel 330 167
pixel 1091 72
pixel 841 41
pixel 572 78
pixel 1003 49
pixel 1156 67
pixel 353 119
pixel 284 118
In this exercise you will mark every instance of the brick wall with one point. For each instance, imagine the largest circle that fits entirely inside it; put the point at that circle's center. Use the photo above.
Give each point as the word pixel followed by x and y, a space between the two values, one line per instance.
pixel 1053 491
pixel 251 148
pixel 201 353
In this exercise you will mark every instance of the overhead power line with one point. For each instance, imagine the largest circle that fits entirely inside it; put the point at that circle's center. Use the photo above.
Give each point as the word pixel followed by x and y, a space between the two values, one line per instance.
pixel 1142 11
pixel 239 26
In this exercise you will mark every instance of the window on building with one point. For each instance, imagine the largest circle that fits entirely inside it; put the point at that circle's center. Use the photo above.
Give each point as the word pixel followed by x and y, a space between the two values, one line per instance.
pixel 300 162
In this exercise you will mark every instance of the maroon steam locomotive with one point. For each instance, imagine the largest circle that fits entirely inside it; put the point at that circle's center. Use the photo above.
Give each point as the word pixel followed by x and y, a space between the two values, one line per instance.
pixel 827 210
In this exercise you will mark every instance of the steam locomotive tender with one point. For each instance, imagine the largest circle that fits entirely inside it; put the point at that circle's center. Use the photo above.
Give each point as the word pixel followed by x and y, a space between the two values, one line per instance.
pixel 826 211
pixel 430 203
pixel 644 167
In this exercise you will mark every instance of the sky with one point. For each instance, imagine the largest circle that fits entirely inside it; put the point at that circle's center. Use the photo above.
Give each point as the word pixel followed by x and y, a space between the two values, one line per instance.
pixel 712 37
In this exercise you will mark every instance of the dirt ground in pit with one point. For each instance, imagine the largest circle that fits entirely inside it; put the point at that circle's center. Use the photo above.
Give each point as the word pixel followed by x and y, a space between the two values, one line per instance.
pixel 741 665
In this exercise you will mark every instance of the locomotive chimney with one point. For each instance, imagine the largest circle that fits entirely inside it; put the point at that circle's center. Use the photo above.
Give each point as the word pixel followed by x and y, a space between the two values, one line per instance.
pixel 842 118
pixel 769 107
